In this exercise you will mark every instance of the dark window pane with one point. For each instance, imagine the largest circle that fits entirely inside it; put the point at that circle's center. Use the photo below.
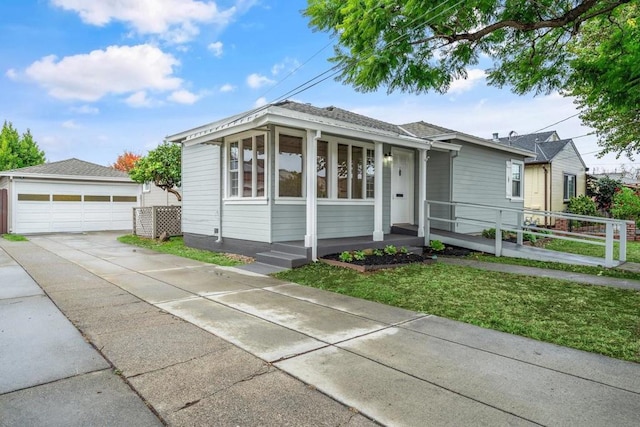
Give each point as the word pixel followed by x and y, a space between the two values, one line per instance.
pixel 323 167
pixel 261 159
pixel 290 162
pixel 343 171
pixel 356 172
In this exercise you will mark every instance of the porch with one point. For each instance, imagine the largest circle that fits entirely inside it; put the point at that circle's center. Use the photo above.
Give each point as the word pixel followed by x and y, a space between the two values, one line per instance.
pixel 295 253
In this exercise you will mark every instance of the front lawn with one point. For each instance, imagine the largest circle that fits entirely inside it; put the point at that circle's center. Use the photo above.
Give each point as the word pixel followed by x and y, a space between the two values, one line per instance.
pixel 175 246
pixel 592 318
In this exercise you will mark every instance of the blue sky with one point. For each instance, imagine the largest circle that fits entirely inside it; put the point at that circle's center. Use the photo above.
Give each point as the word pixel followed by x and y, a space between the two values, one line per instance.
pixel 92 78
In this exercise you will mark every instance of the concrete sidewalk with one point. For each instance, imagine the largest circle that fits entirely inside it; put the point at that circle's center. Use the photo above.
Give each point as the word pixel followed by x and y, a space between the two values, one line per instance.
pixel 395 366
pixel 49 375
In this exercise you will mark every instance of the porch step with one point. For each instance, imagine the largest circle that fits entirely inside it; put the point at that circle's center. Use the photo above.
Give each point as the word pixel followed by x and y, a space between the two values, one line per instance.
pixel 405 229
pixel 282 259
pixel 292 248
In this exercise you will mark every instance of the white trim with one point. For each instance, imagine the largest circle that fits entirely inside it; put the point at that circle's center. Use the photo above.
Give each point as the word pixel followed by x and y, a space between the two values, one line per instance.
pixel 238 138
pixel 346 202
pixel 290 201
pixel 245 201
pixel 378 199
pixel 509 176
pixel 482 142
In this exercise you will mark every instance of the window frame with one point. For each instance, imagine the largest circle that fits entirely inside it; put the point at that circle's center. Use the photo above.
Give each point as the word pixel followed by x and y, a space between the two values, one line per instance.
pixel 509 173
pixel 565 181
pixel 240 140
pixel 296 133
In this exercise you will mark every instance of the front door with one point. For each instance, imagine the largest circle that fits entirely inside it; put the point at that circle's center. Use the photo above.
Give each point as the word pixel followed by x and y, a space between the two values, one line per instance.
pixel 402 182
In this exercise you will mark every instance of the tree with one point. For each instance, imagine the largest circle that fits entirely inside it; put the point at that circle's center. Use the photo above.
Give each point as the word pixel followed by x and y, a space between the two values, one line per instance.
pixel 536 46
pixel 162 166
pixel 126 161
pixel 18 151
pixel 606 79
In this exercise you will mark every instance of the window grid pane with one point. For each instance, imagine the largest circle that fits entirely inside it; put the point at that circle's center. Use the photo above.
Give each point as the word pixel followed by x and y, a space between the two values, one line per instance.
pixel 247 167
pixel 233 169
pixel 322 168
pixel 356 172
pixel 371 174
pixel 261 159
pixel 343 171
pixel 516 184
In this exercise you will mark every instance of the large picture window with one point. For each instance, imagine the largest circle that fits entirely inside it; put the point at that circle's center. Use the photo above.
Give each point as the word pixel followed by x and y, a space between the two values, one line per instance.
pixel 290 162
pixel 248 153
pixel 345 170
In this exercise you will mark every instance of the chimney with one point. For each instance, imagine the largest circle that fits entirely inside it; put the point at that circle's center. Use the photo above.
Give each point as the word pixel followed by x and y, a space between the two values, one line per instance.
pixel 495 137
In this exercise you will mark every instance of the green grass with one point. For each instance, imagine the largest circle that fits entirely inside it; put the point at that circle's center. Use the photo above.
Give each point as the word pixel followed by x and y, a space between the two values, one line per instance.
pixel 592 318
pixel 14 237
pixel 175 246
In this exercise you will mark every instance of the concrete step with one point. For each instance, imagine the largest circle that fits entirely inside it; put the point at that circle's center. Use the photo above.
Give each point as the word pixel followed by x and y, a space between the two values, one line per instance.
pixel 281 259
pixel 288 248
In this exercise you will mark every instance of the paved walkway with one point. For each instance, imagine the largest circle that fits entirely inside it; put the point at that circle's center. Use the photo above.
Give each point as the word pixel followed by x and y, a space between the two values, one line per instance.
pixel 264 352
pixel 587 279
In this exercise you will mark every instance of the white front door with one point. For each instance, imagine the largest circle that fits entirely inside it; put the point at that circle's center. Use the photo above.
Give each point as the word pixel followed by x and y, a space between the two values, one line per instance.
pixel 402 182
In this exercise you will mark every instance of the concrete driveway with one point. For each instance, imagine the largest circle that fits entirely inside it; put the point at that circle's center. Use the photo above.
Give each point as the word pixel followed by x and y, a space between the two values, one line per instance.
pixel 394 366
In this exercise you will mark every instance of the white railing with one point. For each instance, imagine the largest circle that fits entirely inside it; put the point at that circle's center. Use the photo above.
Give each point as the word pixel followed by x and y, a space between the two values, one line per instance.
pixel 521 226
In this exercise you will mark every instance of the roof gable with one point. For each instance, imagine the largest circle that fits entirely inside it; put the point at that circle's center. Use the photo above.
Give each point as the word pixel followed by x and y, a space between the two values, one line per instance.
pixel 69 167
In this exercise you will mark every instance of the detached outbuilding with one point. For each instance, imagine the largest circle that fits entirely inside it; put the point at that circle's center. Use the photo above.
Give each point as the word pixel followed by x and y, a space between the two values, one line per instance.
pixel 68 196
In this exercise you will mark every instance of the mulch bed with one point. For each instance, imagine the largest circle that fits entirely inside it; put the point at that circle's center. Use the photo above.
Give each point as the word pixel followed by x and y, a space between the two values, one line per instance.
pixel 379 262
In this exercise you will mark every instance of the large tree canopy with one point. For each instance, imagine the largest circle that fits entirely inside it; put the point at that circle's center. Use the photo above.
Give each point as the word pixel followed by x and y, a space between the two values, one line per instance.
pixel 18 151
pixel 606 79
pixel 162 166
pixel 422 45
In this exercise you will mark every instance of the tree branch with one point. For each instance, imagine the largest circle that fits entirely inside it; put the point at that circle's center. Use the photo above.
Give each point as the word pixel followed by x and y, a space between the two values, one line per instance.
pixel 576 15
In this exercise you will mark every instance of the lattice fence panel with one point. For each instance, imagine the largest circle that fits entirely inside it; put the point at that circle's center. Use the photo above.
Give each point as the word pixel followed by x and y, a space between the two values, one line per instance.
pixel 169 219
pixel 143 222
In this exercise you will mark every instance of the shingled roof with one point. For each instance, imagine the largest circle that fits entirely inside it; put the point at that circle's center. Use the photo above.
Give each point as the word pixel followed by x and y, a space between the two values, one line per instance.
pixel 69 167
pixel 539 143
pixel 336 113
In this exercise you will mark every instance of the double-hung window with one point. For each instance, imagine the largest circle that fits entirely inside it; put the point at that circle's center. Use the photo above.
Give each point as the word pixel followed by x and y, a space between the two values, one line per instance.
pixel 515 179
pixel 246 167
pixel 569 186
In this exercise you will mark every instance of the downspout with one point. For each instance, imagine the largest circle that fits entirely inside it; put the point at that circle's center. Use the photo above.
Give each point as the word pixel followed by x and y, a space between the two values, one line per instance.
pixel 452 208
pixel 546 190
pixel 222 159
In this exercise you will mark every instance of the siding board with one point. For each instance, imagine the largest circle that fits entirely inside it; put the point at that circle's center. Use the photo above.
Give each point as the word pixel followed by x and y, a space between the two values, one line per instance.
pixel 201 189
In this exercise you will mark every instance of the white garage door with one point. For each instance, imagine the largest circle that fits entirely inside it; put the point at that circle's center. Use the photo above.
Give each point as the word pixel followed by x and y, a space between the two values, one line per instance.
pixel 58 207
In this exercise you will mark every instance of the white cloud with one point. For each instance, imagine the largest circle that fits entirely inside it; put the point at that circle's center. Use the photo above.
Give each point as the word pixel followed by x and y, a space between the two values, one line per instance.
pixel 227 88
pixel 139 99
pixel 12 74
pixel 70 124
pixel 287 64
pixel 183 97
pixel 475 76
pixel 216 48
pixel 174 20
pixel 256 81
pixel 116 70
pixel 85 109
pixel 260 102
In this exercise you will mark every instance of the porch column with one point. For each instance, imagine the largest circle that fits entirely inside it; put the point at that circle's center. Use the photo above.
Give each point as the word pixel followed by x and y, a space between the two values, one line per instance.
pixel 422 190
pixel 378 234
pixel 311 237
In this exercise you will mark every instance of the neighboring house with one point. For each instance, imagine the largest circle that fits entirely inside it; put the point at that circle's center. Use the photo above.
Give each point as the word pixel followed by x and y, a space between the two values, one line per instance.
pixel 313 173
pixel 152 195
pixel 625 178
pixel 554 175
pixel 69 195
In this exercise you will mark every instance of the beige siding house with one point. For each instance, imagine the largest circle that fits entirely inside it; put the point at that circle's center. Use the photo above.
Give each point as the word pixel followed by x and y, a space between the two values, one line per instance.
pixel 554 175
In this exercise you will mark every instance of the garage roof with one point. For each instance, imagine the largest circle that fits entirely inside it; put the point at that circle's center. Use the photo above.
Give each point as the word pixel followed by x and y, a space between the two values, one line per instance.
pixel 70 169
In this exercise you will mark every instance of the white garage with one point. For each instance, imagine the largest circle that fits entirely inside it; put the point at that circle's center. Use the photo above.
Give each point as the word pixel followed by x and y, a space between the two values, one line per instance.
pixel 69 196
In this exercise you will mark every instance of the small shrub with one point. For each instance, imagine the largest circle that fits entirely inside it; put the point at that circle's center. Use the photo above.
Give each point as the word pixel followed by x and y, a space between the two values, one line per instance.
pixel 378 252
pixel 529 237
pixel 490 233
pixel 404 250
pixel 390 250
pixel 582 205
pixel 359 255
pixel 626 205
pixel 346 256
pixel 438 246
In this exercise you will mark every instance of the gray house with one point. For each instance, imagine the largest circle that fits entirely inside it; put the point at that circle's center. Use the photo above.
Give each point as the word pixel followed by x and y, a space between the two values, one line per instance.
pixel 292 173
